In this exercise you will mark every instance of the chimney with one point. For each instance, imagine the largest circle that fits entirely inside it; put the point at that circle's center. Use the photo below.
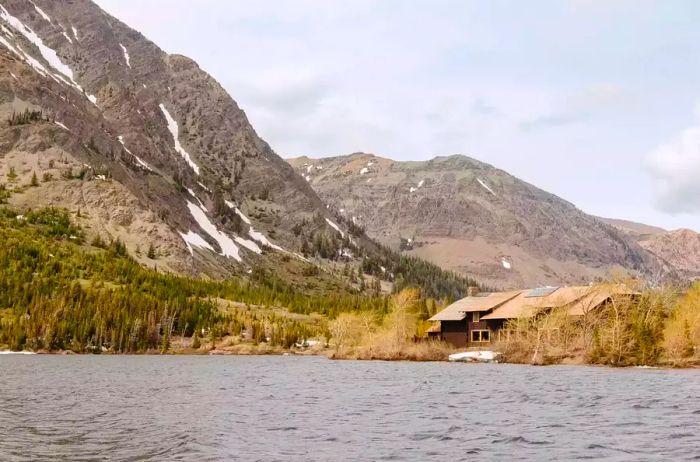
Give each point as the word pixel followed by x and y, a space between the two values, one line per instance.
pixel 472 291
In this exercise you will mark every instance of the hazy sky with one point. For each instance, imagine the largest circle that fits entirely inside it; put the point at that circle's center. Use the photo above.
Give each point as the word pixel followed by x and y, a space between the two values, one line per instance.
pixel 593 100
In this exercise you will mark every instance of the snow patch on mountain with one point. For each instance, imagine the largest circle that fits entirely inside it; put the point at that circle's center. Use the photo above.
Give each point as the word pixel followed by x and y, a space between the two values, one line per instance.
pixel 487 187
pixel 248 244
pixel 49 54
pixel 193 239
pixel 36 65
pixel 420 185
pixel 226 244
pixel 138 159
pixel 255 235
pixel 335 227
pixel 41 12
pixel 189 190
pixel 10 47
pixel 174 131
pixel 126 55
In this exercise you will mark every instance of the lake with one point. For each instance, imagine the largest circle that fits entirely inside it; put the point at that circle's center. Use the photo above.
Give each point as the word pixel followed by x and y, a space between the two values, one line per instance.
pixel 194 408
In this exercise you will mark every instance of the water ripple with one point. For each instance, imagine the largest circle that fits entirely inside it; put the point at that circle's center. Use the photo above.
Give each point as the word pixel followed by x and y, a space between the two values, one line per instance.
pixel 138 408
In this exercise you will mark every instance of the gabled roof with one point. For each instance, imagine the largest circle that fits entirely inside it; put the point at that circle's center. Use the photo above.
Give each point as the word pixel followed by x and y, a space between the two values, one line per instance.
pixel 597 296
pixel 481 302
pixel 578 299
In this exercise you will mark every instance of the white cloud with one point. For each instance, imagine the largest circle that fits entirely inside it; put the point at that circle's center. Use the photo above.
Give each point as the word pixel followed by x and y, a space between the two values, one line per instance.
pixel 675 166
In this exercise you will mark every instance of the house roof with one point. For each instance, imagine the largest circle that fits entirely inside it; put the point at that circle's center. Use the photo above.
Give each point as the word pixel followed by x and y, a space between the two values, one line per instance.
pixel 481 302
pixel 597 296
pixel 578 299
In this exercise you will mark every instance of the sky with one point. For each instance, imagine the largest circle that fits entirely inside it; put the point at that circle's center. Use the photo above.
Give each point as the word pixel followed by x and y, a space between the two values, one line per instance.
pixel 597 101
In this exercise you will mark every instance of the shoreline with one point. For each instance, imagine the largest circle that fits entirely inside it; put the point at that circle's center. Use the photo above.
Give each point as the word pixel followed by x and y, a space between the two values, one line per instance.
pixel 330 355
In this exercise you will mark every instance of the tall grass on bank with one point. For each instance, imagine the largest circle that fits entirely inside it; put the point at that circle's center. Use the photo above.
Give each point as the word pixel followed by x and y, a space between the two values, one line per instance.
pixel 682 330
pixel 655 327
pixel 396 336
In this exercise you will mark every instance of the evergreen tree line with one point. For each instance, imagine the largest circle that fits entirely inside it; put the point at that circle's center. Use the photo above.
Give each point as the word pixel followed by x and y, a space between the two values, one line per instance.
pixel 56 293
pixel 407 271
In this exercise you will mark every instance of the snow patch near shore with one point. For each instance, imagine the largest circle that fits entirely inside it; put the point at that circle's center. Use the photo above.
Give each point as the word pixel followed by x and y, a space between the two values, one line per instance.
pixel 484 356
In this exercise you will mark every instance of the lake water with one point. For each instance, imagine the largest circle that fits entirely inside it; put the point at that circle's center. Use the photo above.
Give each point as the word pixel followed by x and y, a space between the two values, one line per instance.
pixel 308 408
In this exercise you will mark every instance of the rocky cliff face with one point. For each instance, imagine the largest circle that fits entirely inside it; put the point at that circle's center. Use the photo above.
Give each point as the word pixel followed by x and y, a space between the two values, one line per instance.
pixel 469 216
pixel 677 250
pixel 150 148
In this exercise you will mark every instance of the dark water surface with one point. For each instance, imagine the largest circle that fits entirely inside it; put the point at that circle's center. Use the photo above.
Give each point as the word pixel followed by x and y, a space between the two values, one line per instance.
pixel 303 408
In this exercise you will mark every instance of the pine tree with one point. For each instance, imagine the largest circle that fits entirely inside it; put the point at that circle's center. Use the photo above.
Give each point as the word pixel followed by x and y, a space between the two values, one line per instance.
pixel 12 175
pixel 151 254
pixel 35 181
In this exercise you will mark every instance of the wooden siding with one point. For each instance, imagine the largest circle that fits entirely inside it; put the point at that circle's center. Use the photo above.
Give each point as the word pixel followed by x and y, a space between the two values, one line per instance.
pixel 454 332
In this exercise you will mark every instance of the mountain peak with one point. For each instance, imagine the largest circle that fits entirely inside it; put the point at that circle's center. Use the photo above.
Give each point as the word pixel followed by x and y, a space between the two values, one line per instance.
pixel 469 216
pixel 148 146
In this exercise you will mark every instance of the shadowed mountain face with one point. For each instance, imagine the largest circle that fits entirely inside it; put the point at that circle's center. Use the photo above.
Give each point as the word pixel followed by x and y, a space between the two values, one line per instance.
pixel 469 216
pixel 148 146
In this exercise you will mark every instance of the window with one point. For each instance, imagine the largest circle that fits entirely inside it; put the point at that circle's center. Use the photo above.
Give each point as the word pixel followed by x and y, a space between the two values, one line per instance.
pixel 481 336
pixel 476 316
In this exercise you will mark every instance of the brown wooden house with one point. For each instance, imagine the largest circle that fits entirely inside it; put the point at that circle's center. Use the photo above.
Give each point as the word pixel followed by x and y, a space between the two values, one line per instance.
pixel 474 321
pixel 461 323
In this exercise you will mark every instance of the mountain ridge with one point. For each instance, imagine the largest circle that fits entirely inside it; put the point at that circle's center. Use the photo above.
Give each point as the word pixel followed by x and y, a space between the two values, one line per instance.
pixel 470 216
pixel 177 148
pixel 149 152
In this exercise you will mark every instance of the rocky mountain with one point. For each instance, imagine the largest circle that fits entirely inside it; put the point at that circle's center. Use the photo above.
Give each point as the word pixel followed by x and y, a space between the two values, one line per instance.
pixel 142 146
pixel 678 249
pixel 471 217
